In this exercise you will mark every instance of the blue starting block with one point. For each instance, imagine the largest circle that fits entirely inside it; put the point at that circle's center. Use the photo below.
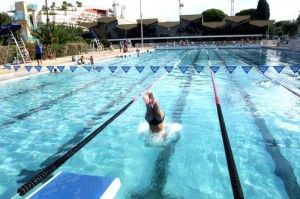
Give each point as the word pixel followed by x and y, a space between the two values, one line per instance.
pixel 71 185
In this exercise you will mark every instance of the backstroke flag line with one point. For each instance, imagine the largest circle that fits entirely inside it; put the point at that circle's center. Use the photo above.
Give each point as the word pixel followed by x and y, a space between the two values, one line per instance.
pixel 154 69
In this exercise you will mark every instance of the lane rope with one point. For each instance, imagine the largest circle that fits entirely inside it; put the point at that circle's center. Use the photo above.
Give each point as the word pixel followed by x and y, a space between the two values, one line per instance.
pixel 277 82
pixel 51 168
pixel 234 177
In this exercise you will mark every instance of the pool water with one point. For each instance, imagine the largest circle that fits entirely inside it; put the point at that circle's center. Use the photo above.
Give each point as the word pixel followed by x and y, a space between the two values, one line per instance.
pixel 43 117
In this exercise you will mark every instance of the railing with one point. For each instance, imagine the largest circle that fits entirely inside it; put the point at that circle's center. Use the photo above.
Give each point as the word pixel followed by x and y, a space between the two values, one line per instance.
pixel 20 17
pixel 32 6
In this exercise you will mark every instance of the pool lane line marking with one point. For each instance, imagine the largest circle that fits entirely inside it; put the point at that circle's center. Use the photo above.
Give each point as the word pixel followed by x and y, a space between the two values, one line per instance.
pixel 160 171
pixel 234 177
pixel 291 90
pixel 79 135
pixel 283 168
pixel 60 161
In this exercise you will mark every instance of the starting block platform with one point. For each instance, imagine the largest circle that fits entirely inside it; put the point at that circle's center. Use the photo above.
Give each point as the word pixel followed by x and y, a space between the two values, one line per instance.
pixel 71 186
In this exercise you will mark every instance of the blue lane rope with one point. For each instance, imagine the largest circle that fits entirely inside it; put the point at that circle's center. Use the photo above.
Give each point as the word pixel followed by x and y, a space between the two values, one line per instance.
pixel 277 82
pixel 50 169
pixel 234 177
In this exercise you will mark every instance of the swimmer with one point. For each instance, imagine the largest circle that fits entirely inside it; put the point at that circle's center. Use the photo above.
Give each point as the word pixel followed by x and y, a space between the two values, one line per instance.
pixel 154 115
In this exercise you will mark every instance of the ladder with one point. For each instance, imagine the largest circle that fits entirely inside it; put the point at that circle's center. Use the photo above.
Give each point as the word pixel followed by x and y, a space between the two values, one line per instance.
pixel 95 42
pixel 20 54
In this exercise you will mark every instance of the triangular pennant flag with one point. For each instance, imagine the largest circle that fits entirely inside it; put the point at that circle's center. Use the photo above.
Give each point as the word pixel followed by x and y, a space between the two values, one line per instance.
pixel 140 68
pixel 88 68
pixel 61 68
pixel 7 66
pixel 278 68
pixel 183 68
pixel 125 68
pixel 16 67
pixel 154 68
pixel 28 68
pixel 38 68
pixel 112 68
pixel 231 68
pixel 295 68
pixel 246 68
pixel 73 68
pixel 214 68
pixel 50 68
pixel 199 68
pixel 99 68
pixel 169 68
pixel 263 69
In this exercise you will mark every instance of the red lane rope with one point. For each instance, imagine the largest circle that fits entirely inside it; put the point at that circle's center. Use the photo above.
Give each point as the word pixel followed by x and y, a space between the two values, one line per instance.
pixel 292 91
pixel 234 177
pixel 25 188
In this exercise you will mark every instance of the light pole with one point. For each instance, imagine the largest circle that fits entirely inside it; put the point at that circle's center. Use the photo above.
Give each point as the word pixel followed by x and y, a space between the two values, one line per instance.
pixel 142 39
pixel 47 20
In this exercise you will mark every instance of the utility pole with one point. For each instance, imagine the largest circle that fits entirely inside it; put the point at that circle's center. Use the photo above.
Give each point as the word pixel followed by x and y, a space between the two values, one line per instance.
pixel 142 39
pixel 47 20
pixel 180 6
pixel 232 8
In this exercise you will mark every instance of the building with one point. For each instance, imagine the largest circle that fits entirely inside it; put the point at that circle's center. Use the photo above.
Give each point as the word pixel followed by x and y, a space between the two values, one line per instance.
pixel 189 25
pixel 73 15
pixel 108 26
pixel 26 15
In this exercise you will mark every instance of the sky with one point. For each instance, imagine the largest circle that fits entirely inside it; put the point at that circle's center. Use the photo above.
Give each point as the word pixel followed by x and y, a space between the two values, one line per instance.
pixel 168 10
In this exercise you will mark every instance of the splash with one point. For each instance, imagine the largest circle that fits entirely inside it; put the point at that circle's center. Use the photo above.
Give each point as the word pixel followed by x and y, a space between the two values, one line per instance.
pixel 162 138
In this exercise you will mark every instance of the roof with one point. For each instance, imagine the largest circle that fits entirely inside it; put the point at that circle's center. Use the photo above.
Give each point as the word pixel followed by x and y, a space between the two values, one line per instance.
pixel 125 21
pixel 261 23
pixel 190 17
pixel 169 24
pixel 127 26
pixel 237 18
pixel 213 24
pixel 148 21
pixel 88 25
pixel 107 19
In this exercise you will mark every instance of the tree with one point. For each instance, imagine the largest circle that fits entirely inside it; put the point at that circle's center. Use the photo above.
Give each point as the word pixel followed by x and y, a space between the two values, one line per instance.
pixel 57 34
pixel 212 15
pixel 64 5
pixel 252 12
pixel 79 4
pixel 53 6
pixel 263 10
pixel 4 18
pixel 290 28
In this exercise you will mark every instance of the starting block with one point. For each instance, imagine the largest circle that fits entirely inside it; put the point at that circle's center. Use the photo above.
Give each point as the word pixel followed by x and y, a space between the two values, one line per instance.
pixel 71 186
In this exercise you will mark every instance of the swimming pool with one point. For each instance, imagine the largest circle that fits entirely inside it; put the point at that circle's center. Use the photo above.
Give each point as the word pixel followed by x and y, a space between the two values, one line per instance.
pixel 45 116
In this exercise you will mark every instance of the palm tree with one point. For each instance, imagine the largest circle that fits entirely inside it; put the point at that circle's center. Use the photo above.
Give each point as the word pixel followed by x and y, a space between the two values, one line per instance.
pixel 52 6
pixel 64 5
pixel 79 4
pixel 57 34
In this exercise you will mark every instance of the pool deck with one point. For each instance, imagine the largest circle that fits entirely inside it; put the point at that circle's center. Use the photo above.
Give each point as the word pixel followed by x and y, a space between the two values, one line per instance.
pixel 12 75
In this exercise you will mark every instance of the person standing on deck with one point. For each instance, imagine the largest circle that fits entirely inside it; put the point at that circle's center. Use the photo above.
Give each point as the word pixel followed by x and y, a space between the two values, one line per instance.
pixel 38 53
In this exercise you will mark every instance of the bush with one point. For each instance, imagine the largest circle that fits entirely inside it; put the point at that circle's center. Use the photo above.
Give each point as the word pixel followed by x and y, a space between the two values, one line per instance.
pixel 105 43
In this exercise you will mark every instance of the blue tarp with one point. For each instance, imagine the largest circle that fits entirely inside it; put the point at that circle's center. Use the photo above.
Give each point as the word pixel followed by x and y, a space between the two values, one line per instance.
pixel 13 27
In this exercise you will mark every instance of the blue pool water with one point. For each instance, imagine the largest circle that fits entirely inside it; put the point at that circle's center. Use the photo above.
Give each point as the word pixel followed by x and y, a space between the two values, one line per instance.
pixel 43 117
